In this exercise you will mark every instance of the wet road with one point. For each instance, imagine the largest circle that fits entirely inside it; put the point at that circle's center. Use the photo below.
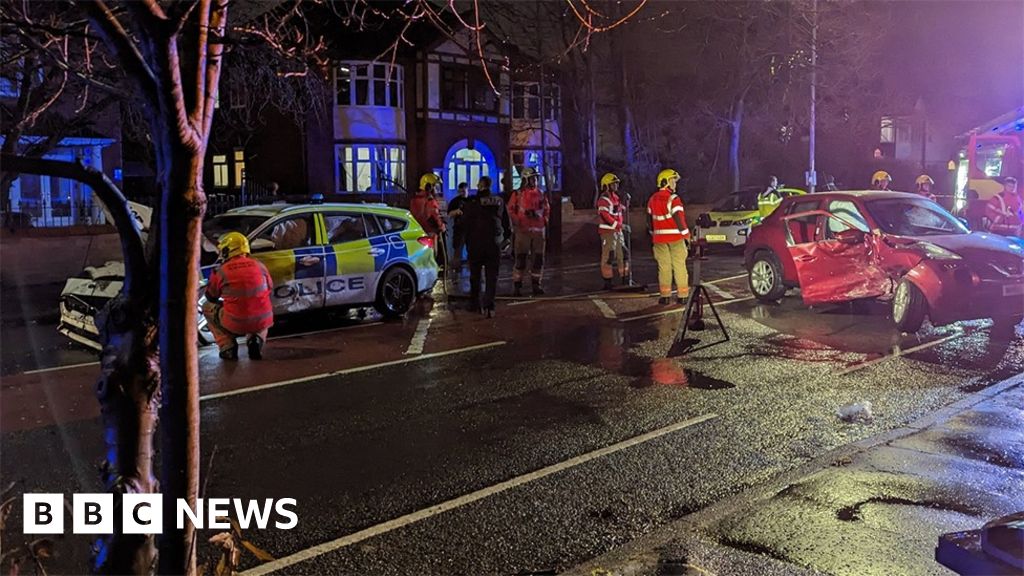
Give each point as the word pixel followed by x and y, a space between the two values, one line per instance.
pixel 524 444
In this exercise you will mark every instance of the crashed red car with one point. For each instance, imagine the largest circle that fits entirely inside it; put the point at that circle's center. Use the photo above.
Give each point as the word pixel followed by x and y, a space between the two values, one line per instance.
pixel 846 246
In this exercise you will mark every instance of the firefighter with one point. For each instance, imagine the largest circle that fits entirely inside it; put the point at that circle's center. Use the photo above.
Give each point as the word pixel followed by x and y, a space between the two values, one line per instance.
pixel 881 180
pixel 667 224
pixel 484 219
pixel 611 229
pixel 238 299
pixel 529 209
pixel 427 212
pixel 924 185
pixel 1004 210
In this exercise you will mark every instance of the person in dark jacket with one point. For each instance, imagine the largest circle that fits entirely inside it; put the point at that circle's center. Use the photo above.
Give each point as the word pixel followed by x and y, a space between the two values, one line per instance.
pixel 458 230
pixel 485 221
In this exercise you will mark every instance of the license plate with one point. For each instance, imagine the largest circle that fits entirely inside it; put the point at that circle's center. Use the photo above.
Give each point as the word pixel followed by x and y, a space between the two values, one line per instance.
pixel 715 237
pixel 1013 290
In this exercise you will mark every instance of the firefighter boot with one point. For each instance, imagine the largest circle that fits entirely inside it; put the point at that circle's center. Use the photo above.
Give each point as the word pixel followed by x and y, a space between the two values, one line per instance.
pixel 607 283
pixel 229 353
pixel 537 290
pixel 517 289
pixel 255 344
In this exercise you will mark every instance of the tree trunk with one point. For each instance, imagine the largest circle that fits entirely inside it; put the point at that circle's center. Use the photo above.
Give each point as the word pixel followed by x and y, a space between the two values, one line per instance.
pixel 735 126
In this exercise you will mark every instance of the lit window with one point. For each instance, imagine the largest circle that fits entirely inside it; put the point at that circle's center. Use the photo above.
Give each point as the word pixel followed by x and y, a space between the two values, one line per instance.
pixel 220 171
pixel 239 168
pixel 530 158
pixel 888 135
pixel 466 88
pixel 370 168
pixel 369 84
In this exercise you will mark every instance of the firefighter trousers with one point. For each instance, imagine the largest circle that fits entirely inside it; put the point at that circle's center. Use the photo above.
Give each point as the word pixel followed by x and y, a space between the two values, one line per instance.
pixel 528 243
pixel 613 252
pixel 226 339
pixel 671 259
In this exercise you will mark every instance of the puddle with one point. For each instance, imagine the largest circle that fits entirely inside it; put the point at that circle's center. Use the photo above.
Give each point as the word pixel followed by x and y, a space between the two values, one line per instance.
pixel 668 372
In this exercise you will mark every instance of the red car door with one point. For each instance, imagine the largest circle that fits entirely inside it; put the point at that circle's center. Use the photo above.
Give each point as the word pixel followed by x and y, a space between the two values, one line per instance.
pixel 840 262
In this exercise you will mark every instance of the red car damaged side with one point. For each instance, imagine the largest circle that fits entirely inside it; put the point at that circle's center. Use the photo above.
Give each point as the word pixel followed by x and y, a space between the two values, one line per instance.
pixel 843 246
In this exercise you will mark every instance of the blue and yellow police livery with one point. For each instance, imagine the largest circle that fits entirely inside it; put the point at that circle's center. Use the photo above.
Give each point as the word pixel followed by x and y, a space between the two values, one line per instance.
pixel 345 255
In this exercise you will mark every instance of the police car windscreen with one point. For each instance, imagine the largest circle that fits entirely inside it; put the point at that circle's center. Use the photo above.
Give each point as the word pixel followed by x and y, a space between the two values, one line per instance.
pixel 216 227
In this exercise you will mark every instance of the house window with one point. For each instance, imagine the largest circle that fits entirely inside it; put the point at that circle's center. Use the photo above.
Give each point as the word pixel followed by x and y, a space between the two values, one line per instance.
pixel 239 168
pixel 888 135
pixel 465 88
pixel 530 158
pixel 220 171
pixel 370 167
pixel 526 101
pixel 369 84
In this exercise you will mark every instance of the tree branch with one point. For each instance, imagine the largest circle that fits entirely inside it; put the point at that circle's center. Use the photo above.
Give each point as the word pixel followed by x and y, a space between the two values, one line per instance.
pixel 107 192
pixel 117 38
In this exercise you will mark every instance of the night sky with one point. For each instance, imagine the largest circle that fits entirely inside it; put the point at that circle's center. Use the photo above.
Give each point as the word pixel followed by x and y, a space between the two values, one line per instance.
pixel 965 57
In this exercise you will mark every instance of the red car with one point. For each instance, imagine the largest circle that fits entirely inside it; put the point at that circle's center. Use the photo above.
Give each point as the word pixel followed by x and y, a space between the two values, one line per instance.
pixel 845 246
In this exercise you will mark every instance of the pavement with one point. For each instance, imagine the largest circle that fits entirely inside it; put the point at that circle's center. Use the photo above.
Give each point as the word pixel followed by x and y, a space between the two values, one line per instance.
pixel 537 441
pixel 877 506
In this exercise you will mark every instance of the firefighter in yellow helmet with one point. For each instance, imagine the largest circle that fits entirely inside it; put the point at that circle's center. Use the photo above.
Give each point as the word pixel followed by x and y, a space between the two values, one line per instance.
pixel 924 185
pixel 669 233
pixel 238 299
pixel 426 210
pixel 880 180
pixel 611 228
pixel 529 211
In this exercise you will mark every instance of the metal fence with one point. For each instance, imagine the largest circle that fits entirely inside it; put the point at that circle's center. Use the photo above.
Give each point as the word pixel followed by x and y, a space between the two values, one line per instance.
pixel 86 211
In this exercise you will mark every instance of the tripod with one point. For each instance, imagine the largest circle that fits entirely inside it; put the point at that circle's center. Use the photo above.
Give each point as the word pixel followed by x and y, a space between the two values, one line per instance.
pixel 693 317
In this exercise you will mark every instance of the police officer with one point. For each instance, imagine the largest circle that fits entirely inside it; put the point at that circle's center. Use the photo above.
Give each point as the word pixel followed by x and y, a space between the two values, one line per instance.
pixel 238 299
pixel 485 221
pixel 458 230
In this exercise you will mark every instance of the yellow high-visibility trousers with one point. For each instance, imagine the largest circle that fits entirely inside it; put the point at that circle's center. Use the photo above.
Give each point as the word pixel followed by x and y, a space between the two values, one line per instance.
pixel 671 259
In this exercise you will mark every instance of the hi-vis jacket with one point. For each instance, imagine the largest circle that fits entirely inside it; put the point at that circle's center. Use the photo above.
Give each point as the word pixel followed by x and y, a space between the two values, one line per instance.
pixel 663 205
pixel 609 210
pixel 528 208
pixel 245 285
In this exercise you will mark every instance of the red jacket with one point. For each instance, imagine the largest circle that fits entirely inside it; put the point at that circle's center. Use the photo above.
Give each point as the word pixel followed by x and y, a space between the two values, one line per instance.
pixel 1004 213
pixel 663 206
pixel 244 284
pixel 529 209
pixel 609 209
pixel 427 212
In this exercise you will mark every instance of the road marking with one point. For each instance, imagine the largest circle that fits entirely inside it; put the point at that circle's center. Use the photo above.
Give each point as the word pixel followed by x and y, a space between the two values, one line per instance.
pixel 556 271
pixel 680 310
pixel 897 353
pixel 349 371
pixel 719 291
pixel 548 298
pixel 448 505
pixel 737 277
pixel 419 338
pixel 603 307
pixel 315 332
pixel 56 368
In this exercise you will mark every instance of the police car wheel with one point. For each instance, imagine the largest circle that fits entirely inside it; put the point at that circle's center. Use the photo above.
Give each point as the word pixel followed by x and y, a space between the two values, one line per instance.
pixel 397 293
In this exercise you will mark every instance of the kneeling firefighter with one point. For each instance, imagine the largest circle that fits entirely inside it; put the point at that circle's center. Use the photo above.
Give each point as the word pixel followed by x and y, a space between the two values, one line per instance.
pixel 238 299
pixel 611 228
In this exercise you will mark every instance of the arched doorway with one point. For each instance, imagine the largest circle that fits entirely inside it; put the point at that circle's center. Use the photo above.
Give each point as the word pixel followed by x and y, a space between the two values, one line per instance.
pixel 467 160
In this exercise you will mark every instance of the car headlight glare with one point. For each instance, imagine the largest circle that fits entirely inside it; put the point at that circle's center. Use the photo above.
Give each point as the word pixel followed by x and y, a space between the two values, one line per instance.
pixel 935 252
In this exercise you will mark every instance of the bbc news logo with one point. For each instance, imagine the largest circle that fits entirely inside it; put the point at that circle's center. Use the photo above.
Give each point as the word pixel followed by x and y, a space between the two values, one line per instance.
pixel 144 513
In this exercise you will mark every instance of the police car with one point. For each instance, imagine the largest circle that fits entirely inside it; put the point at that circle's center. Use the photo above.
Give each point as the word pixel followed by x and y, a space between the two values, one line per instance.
pixel 319 255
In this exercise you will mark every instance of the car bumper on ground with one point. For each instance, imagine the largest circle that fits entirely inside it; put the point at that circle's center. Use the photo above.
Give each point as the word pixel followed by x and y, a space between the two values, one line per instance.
pixel 78 326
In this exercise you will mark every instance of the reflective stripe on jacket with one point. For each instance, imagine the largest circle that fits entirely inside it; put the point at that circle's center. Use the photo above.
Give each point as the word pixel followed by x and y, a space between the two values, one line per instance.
pixel 662 207
pixel 528 208
pixel 244 285
pixel 609 210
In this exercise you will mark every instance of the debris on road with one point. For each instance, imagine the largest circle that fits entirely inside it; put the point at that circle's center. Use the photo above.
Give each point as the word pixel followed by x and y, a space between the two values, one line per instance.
pixel 859 412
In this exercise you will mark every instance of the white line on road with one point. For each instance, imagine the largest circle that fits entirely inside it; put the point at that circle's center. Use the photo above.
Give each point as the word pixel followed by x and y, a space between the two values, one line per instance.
pixel 897 353
pixel 56 368
pixel 603 307
pixel 679 310
pixel 349 371
pixel 737 277
pixel 419 339
pixel 719 291
pixel 549 298
pixel 443 507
